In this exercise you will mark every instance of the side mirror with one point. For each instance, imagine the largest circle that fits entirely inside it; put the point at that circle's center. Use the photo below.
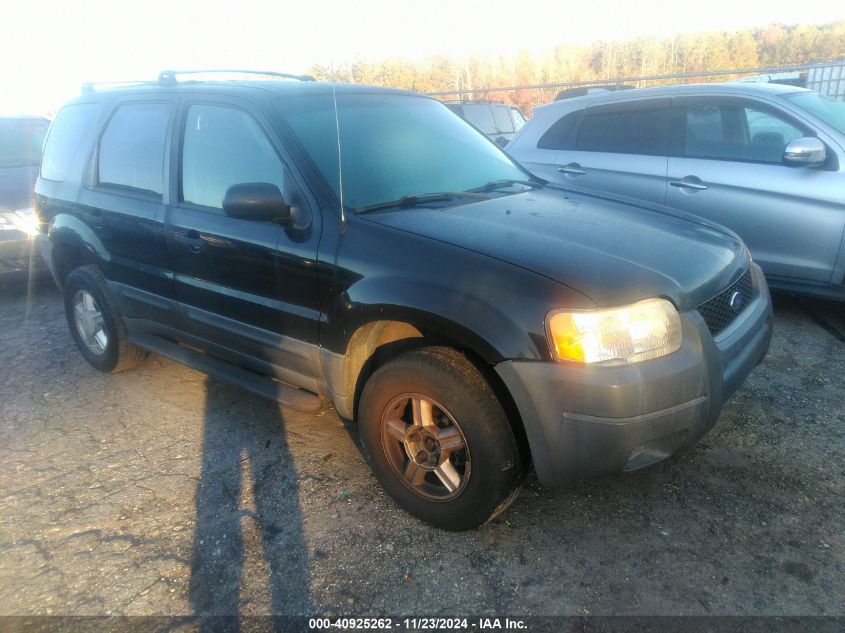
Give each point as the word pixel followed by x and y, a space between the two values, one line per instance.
pixel 805 152
pixel 259 201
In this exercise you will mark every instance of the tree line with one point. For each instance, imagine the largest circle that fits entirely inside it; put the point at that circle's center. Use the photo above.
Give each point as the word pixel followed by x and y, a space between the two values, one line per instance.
pixel 769 46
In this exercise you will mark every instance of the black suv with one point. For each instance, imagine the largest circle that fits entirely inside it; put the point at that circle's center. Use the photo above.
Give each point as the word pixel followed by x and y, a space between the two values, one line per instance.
pixel 366 246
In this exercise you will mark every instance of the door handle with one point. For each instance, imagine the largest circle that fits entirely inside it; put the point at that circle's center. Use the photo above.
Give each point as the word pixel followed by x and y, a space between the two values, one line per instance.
pixel 683 184
pixel 191 240
pixel 573 169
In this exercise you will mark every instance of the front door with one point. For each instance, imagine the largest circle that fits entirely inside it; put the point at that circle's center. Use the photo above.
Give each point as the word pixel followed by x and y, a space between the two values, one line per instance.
pixel 730 170
pixel 243 285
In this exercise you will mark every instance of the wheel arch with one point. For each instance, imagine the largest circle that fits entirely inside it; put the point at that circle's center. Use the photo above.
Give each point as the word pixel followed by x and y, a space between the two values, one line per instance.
pixel 376 342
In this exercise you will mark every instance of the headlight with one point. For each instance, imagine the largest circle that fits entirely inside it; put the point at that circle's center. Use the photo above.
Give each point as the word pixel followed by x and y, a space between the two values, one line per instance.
pixel 629 334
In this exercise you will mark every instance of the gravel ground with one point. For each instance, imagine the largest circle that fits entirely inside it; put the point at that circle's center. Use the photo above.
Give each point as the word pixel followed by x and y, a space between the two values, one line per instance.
pixel 160 491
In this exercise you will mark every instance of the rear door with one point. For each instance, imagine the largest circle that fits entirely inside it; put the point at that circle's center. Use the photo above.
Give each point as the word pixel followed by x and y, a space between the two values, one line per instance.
pixel 620 148
pixel 123 203
pixel 729 168
pixel 245 286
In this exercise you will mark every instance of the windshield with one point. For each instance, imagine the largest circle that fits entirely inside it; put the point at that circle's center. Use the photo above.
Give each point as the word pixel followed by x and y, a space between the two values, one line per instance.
pixel 394 146
pixel 830 111
pixel 20 141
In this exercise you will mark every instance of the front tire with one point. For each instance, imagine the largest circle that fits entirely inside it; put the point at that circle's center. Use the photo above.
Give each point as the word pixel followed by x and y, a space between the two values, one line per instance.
pixel 438 439
pixel 96 323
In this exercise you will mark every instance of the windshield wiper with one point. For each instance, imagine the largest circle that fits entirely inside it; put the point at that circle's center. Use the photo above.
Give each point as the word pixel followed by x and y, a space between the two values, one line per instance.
pixel 498 184
pixel 411 200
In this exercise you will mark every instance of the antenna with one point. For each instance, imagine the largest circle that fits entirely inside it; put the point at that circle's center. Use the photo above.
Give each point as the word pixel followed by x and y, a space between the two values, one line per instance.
pixel 339 161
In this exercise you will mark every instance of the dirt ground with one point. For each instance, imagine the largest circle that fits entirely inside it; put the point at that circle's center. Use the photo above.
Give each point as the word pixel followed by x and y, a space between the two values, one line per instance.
pixel 161 491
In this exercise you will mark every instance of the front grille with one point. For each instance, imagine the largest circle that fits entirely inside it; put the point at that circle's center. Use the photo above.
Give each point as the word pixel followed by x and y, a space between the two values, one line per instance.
pixel 718 312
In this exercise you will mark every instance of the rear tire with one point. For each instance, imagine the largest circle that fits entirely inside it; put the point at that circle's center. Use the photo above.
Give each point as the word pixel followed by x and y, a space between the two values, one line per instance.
pixel 96 323
pixel 438 439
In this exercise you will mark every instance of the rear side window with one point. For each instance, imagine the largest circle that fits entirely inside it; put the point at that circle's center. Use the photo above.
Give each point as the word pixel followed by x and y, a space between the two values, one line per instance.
pixel 481 116
pixel 20 141
pixel 556 136
pixel 72 125
pixel 224 147
pixel 503 119
pixel 131 153
pixel 625 132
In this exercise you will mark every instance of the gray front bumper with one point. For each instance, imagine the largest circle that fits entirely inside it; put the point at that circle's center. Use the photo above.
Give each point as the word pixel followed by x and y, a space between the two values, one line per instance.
pixel 585 421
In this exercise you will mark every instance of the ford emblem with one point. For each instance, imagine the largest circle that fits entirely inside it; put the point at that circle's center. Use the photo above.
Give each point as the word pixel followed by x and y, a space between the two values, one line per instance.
pixel 736 301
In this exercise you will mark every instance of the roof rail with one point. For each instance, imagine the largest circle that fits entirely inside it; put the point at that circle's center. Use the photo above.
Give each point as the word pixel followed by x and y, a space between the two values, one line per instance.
pixel 169 76
pixel 91 86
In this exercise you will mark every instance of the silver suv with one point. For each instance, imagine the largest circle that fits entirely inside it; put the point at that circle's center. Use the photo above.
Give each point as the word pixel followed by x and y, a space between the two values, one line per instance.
pixel 764 160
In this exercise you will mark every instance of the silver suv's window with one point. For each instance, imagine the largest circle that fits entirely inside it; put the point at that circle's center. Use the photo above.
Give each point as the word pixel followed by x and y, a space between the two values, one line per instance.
pixel 71 126
pixel 131 152
pixel 224 147
pixel 731 132
pixel 625 132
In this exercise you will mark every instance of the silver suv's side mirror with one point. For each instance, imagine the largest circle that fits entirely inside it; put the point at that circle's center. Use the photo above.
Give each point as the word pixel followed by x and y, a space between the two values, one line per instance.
pixel 805 152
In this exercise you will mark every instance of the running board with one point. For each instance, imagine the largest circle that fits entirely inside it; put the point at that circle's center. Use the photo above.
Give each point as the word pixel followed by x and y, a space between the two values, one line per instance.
pixel 286 395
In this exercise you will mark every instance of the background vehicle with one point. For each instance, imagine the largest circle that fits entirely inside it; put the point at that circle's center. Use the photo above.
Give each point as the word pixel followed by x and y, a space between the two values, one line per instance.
pixel 497 120
pixel 583 91
pixel 419 279
pixel 765 160
pixel 21 138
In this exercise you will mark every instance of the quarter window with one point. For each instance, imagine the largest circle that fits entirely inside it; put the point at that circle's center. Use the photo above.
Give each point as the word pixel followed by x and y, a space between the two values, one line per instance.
pixel 224 147
pixel 70 128
pixel 132 148
pixel 625 132
pixel 557 135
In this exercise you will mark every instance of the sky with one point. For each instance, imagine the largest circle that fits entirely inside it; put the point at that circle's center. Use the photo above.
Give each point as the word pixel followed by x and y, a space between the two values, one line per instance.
pixel 49 48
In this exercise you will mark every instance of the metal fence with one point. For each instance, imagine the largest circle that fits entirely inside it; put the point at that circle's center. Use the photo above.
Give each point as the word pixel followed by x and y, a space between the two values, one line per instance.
pixel 825 77
pixel 828 79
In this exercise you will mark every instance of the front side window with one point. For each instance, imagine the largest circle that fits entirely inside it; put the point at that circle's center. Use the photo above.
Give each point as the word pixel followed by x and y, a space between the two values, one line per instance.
pixel 481 116
pixel 625 132
pixel 737 133
pixel 131 155
pixel 392 146
pixel 20 141
pixel 71 126
pixel 504 123
pixel 223 147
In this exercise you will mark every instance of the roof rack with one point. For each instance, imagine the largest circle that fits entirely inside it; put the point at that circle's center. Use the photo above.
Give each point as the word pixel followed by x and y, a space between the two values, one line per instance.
pixel 90 86
pixel 169 76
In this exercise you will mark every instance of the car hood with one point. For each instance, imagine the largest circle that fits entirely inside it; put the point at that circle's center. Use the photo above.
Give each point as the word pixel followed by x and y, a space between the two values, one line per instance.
pixel 604 247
